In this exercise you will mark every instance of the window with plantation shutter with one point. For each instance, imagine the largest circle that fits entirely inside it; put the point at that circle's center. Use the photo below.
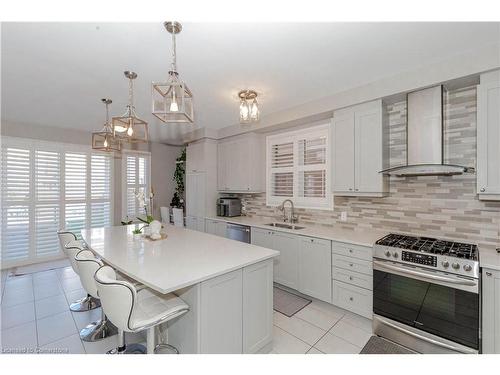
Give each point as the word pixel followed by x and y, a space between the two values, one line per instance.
pixel 47 201
pixel 298 168
pixel 136 178
pixel 48 186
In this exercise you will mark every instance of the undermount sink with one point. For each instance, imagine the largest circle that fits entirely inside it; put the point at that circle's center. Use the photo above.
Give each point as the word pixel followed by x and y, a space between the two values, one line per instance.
pixel 285 225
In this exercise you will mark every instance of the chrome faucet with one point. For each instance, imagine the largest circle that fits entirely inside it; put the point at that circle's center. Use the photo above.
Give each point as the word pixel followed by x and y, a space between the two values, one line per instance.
pixel 291 217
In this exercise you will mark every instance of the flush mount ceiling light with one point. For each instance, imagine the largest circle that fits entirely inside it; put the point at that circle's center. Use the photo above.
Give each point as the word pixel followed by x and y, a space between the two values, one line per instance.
pixel 249 108
pixel 129 127
pixel 172 100
pixel 105 140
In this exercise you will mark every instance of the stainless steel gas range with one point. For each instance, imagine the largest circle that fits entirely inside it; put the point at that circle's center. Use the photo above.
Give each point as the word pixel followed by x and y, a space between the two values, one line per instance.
pixel 426 294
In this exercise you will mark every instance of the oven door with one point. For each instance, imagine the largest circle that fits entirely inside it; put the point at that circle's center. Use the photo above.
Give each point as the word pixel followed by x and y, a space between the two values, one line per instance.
pixel 441 304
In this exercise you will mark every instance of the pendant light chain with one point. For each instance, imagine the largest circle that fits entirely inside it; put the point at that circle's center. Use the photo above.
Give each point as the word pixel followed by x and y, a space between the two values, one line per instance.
pixel 174 54
pixel 131 93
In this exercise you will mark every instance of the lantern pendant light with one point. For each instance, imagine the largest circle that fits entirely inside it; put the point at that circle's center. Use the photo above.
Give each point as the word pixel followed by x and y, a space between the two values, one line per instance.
pixel 129 127
pixel 105 140
pixel 172 101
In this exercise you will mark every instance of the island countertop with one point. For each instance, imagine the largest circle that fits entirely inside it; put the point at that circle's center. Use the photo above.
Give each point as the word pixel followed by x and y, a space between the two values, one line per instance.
pixel 184 258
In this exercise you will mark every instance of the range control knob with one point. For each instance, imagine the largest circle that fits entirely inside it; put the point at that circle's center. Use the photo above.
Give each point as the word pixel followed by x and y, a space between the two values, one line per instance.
pixel 445 264
pixel 387 253
pixel 455 266
pixel 467 267
pixel 395 254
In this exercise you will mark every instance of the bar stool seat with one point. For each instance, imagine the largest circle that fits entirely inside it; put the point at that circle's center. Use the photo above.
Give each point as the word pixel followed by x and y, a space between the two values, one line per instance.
pixel 134 311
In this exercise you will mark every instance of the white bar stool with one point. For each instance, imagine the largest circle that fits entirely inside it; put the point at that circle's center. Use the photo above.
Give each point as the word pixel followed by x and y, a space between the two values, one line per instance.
pixel 72 248
pixel 133 311
pixel 88 264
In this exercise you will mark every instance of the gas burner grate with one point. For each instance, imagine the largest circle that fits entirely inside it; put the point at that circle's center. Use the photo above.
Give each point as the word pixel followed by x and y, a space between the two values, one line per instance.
pixel 430 245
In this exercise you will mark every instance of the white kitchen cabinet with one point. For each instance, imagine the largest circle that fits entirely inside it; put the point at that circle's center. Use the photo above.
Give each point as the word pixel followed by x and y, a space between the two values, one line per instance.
pixel 195 223
pixel 257 306
pixel 215 227
pixel 315 267
pixel 262 237
pixel 491 311
pixel 286 271
pixel 488 136
pixel 222 329
pixel 358 151
pixel 241 164
pixel 196 200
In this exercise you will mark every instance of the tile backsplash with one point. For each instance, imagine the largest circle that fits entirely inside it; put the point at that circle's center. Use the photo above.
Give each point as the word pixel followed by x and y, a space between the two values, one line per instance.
pixel 440 206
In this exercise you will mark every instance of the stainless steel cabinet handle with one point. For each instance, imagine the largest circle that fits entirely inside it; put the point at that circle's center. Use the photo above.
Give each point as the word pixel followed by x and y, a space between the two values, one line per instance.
pixel 350 277
pixel 351 299
pixel 351 265
pixel 350 250
pixel 312 240
pixel 424 275
pixel 482 190
pixel 488 273
pixel 350 189
pixel 356 189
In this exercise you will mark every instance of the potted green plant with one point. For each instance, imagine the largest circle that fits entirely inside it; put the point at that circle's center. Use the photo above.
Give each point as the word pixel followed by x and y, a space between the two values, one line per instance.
pixel 177 203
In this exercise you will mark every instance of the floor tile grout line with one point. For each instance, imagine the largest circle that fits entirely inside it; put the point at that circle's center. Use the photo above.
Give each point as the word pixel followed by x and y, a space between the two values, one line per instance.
pixel 298 338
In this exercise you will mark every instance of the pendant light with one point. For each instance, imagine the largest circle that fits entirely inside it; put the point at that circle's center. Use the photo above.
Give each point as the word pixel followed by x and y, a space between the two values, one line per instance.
pixel 129 127
pixel 172 101
pixel 105 140
pixel 249 108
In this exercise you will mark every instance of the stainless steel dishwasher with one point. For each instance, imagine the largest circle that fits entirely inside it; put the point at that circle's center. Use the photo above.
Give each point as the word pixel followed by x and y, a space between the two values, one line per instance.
pixel 238 232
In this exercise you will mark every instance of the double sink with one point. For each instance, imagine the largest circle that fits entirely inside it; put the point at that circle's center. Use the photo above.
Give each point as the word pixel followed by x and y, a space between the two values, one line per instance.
pixel 285 226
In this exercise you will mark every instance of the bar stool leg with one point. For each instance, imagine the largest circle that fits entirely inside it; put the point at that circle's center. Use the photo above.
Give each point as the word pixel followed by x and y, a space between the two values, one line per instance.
pixel 126 349
pixel 85 304
pixel 99 330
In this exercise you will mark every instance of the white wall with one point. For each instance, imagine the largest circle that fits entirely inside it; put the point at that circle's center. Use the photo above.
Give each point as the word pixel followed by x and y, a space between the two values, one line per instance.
pixel 162 160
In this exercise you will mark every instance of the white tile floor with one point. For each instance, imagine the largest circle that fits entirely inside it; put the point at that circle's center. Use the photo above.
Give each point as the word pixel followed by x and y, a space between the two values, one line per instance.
pixel 320 328
pixel 35 314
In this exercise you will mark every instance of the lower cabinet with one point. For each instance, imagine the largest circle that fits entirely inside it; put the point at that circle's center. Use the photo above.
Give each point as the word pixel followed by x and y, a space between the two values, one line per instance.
pixel 286 266
pixel 221 330
pixel 315 267
pixel 257 306
pixel 352 278
pixel 215 227
pixel 195 223
pixel 491 311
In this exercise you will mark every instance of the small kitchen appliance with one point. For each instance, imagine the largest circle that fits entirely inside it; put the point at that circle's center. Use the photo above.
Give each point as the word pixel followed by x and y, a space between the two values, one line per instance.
pixel 229 206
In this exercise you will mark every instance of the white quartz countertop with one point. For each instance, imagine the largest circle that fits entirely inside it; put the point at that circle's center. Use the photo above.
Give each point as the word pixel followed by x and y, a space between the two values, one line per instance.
pixel 489 258
pixel 184 258
pixel 360 236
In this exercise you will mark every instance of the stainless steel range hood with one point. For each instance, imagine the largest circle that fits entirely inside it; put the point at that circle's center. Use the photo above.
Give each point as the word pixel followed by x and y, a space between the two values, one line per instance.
pixel 424 137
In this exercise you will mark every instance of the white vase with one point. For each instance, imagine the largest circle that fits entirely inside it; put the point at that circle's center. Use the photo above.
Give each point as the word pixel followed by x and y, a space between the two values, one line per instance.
pixel 178 214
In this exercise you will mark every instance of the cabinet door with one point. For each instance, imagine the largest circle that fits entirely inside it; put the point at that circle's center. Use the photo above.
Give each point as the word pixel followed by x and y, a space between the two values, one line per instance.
pixel 192 222
pixel 491 311
pixel 220 228
pixel 315 268
pixel 194 157
pixel 343 151
pixel 368 151
pixel 257 306
pixel 222 159
pixel 210 226
pixel 286 271
pixel 191 194
pixel 488 137
pixel 221 328
pixel 262 237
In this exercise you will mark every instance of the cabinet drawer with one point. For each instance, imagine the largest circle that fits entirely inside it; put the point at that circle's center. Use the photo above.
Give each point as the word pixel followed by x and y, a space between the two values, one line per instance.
pixel 355 251
pixel 353 278
pixel 352 264
pixel 353 298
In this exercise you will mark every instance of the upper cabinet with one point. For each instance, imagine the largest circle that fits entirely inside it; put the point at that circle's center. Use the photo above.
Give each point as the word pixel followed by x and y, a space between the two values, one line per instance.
pixel 488 136
pixel 358 151
pixel 240 164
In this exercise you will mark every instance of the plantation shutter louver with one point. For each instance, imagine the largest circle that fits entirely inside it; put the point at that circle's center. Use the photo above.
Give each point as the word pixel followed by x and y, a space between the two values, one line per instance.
pixel 298 168
pixel 136 170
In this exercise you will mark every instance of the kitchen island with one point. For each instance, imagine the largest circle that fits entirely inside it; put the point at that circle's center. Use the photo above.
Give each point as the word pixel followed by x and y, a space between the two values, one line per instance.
pixel 227 284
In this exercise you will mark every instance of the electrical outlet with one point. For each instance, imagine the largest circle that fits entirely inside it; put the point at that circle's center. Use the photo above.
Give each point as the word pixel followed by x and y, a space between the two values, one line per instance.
pixel 343 216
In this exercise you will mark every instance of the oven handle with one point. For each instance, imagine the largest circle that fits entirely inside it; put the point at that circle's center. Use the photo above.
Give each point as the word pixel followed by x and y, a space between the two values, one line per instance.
pixel 425 275
pixel 428 339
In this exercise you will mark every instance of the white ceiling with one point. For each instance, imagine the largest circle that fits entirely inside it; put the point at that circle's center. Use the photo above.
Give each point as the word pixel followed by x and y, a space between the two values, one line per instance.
pixel 55 73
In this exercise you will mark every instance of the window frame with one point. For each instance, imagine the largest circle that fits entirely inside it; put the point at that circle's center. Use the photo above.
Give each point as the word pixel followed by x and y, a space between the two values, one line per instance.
pixel 33 202
pixel 124 184
pixel 294 136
